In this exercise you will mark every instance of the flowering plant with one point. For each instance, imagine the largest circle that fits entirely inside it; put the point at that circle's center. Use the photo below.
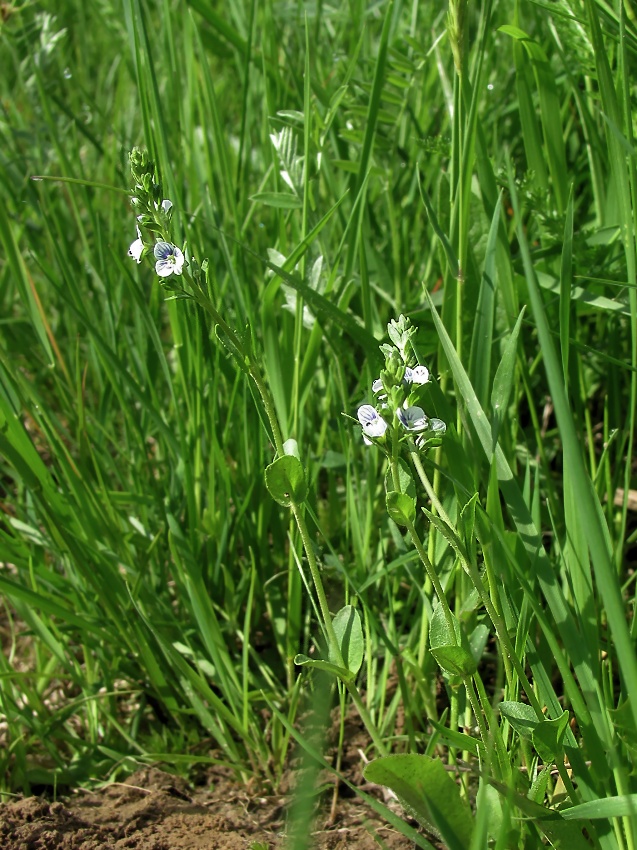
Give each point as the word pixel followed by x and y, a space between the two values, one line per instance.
pixel 397 414
pixel 154 214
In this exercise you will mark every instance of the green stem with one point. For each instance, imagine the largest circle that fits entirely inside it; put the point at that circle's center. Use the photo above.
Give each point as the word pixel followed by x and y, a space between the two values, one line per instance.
pixel 433 576
pixel 496 734
pixel 248 361
pixel 566 779
pixel 424 479
pixel 394 459
pixel 493 595
pixel 329 628
pixel 452 755
pixel 477 711
pixel 503 637
pixel 318 584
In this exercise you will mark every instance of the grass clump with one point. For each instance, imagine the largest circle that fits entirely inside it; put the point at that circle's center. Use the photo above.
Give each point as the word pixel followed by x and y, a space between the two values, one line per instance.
pixel 196 543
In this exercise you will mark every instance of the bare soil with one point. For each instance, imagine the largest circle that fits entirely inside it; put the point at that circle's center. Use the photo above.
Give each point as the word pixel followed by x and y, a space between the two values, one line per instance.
pixel 154 810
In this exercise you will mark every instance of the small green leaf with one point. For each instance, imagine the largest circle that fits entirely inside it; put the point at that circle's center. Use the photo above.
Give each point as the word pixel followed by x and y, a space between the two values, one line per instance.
pixel 401 507
pixel 450 649
pixel 349 632
pixel 285 480
pixel 325 666
pixel 426 790
pixel 406 483
pixel 455 660
pixel 450 536
pixel 538 788
pixel 515 32
pixel 440 633
pixel 548 735
pixel 624 723
pixel 281 200
pixel 521 717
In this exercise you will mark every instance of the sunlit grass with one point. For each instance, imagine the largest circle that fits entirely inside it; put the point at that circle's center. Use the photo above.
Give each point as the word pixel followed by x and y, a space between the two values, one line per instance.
pixel 337 166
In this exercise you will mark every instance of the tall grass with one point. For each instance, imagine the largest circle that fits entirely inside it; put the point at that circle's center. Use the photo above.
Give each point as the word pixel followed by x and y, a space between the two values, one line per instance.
pixel 337 166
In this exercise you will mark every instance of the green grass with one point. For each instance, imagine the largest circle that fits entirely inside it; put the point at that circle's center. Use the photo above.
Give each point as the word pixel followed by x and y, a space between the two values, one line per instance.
pixel 337 166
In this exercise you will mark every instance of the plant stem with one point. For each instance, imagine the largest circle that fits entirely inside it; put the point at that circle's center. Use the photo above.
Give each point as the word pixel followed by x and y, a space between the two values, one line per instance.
pixel 478 713
pixel 248 362
pixel 318 584
pixel 433 496
pixel 433 576
pixel 329 628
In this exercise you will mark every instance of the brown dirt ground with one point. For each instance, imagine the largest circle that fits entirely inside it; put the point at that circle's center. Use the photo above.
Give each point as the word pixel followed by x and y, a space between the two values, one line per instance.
pixel 154 810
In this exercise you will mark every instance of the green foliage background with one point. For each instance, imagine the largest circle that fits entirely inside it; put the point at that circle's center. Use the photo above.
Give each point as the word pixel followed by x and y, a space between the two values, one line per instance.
pixel 153 598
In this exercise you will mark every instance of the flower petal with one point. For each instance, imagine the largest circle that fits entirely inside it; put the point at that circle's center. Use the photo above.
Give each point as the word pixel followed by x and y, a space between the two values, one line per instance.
pixel 412 418
pixel 170 259
pixel 137 247
pixel 373 424
pixel 420 375
pixel 438 426
pixel 162 250
pixel 164 268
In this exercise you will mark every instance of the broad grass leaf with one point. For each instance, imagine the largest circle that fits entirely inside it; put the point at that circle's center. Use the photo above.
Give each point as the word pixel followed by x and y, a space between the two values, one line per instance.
pixel 280 200
pixel 610 807
pixel 426 790
pixel 503 381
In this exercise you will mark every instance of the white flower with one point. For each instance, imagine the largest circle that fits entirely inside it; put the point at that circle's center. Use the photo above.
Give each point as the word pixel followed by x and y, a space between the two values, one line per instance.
pixel 377 388
pixel 165 205
pixel 437 427
pixel 136 248
pixel 412 418
pixel 169 258
pixel 372 422
pixel 419 375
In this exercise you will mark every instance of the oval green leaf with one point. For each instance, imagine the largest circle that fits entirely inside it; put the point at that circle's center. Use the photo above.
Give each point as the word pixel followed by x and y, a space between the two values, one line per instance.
pixel 401 508
pixel 548 735
pixel 455 660
pixel 349 633
pixel 405 480
pixel 521 717
pixel 285 480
